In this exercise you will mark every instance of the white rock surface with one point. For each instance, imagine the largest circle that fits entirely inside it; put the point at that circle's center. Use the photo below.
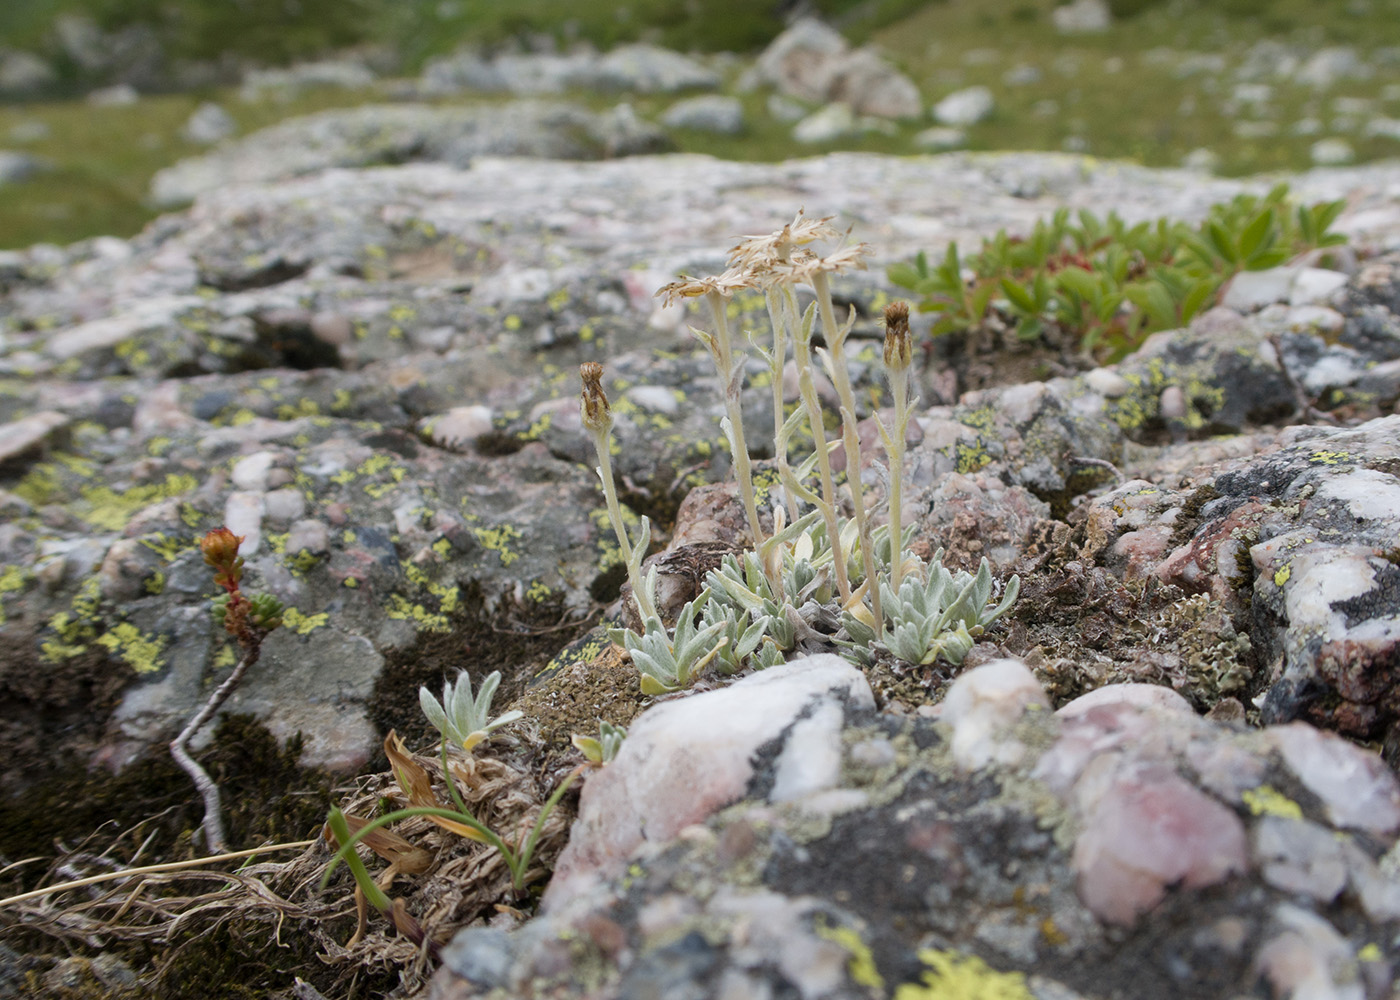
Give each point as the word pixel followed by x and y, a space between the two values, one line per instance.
pixel 986 702
pixel 209 124
pixel 684 759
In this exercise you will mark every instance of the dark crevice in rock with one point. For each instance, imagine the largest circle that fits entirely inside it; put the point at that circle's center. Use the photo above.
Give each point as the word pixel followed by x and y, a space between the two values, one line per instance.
pixel 273 272
pixel 294 344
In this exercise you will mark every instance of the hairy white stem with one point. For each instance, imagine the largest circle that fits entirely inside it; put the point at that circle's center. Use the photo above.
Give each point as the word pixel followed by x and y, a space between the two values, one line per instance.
pixel 775 364
pixel 802 354
pixel 731 376
pixel 841 379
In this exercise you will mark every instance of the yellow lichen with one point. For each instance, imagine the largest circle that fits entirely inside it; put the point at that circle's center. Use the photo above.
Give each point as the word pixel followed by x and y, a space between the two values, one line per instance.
pixel 165 546
pixel 861 965
pixel 304 624
pixel 1269 801
pixel 498 540
pixel 970 458
pixel 1282 574
pixel 139 651
pixel 404 610
pixel 110 509
pixel 1323 457
pixel 955 976
pixel 304 408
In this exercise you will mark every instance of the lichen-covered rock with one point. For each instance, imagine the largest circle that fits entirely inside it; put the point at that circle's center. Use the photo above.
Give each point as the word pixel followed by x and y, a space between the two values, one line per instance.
pixel 370 374
pixel 1121 848
pixel 384 134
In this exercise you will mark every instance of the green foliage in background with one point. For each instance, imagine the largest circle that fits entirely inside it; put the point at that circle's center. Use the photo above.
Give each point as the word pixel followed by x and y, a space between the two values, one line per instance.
pixel 1106 284
pixel 278 31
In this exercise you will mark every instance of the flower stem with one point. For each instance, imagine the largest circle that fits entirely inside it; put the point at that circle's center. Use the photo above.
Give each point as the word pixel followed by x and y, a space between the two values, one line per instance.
pixel 723 352
pixel 841 379
pixel 802 353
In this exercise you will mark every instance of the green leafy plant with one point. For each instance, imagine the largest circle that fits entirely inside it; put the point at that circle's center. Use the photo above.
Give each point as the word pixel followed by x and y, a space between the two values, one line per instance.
pixel 1107 284
pixel 461 718
pixel 600 749
pixel 942 615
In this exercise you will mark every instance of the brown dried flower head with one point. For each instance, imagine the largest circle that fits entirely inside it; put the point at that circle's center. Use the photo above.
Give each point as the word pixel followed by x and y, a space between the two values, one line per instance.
pixel 724 285
pixel 593 401
pixel 757 254
pixel 899 345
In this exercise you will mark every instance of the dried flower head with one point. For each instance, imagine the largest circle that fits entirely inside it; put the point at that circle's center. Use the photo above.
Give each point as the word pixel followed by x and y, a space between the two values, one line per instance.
pixel 593 401
pixel 899 346
pixel 687 287
pixel 804 265
pixel 758 253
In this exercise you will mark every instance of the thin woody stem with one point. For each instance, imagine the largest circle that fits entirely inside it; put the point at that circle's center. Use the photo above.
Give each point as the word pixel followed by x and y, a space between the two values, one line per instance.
pixel 179 749
pixel 841 379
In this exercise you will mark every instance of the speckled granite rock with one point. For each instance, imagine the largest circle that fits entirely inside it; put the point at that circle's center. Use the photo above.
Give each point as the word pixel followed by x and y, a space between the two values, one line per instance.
pixel 1121 847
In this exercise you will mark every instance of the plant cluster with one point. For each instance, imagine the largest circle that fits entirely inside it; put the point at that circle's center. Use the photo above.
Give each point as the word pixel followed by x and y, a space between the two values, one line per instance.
pixel 463 720
pixel 1107 285
pixel 818 578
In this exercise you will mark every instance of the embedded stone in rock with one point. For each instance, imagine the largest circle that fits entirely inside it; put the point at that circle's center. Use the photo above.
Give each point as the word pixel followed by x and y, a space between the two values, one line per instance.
pixel 1356 788
pixel 30 434
pixel 983 704
pixel 1142 695
pixel 685 759
pixel 1145 830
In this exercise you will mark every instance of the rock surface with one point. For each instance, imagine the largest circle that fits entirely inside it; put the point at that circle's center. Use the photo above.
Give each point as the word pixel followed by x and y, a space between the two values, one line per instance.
pixel 384 134
pixel 814 62
pixel 368 373
pixel 1121 847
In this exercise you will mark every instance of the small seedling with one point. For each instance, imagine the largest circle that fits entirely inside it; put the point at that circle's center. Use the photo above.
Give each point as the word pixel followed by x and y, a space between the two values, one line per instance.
pixel 459 717
pixel 600 749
